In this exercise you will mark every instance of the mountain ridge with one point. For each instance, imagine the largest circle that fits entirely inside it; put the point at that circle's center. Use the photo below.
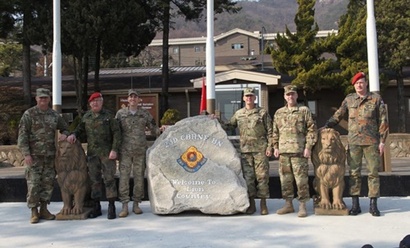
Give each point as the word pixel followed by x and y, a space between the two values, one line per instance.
pixel 273 15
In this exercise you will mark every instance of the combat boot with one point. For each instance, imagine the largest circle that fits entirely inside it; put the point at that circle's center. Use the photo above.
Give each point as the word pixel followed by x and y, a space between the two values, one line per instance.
pixel 252 208
pixel 373 207
pixel 111 210
pixel 355 206
pixel 302 210
pixel 44 213
pixel 96 209
pixel 136 209
pixel 34 216
pixel 287 208
pixel 124 211
pixel 264 208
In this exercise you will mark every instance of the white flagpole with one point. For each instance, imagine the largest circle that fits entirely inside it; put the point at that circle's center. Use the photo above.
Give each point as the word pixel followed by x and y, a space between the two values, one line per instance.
pixel 372 55
pixel 210 59
pixel 56 57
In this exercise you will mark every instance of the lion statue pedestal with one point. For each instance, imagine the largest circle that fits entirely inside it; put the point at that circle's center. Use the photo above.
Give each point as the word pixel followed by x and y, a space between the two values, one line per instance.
pixel 72 177
pixel 329 162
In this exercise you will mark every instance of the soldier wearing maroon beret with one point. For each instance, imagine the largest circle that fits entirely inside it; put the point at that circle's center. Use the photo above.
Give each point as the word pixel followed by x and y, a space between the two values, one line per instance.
pixel 103 142
pixel 367 131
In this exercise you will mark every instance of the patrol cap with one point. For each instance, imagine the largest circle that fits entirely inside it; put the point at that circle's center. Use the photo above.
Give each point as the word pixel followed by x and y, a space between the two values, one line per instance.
pixel 42 92
pixel 358 76
pixel 290 88
pixel 133 91
pixel 249 91
pixel 94 95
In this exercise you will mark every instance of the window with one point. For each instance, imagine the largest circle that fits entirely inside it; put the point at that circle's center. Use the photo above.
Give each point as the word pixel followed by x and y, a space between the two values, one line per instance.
pixel 175 50
pixel 237 46
pixel 197 49
pixel 228 98
pixel 408 104
pixel 312 107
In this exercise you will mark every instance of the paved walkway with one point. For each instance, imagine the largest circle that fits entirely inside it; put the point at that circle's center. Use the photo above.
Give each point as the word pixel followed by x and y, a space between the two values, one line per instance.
pixel 194 230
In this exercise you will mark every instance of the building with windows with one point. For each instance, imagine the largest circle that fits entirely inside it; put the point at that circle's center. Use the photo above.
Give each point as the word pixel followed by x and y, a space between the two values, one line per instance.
pixel 238 64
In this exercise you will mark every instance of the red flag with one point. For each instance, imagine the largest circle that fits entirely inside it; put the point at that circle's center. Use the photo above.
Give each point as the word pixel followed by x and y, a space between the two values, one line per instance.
pixel 203 97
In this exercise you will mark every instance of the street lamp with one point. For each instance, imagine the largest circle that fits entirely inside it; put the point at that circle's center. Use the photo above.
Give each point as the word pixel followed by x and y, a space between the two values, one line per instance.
pixel 263 32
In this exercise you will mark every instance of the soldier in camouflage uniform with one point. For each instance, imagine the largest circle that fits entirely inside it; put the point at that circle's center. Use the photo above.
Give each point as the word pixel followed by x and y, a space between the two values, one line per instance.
pixel 133 122
pixel 367 131
pixel 255 131
pixel 104 139
pixel 36 140
pixel 294 135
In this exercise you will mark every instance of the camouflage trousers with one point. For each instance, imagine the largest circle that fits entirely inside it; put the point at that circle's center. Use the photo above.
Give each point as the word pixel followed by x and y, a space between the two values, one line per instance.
pixel 100 168
pixel 255 167
pixel 354 160
pixel 40 180
pixel 294 169
pixel 136 164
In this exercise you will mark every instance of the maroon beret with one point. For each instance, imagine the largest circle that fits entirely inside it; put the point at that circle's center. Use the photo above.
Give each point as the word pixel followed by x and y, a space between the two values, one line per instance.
pixel 358 76
pixel 94 95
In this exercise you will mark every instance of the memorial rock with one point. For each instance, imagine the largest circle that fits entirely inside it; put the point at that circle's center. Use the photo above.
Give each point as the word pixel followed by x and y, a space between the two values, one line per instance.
pixel 194 166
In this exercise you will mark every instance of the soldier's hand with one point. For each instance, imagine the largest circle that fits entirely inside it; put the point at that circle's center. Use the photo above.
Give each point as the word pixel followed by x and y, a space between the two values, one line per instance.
pixel 268 152
pixel 62 137
pixel 113 155
pixel 71 138
pixel 306 153
pixel 276 153
pixel 381 149
pixel 28 160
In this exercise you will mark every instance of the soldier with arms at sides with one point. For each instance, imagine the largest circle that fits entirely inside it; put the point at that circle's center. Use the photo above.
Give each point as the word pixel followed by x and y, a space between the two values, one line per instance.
pixel 133 121
pixel 294 135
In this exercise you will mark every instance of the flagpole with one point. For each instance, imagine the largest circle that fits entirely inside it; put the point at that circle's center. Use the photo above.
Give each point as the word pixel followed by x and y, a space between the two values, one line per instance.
pixel 210 59
pixel 56 57
pixel 372 56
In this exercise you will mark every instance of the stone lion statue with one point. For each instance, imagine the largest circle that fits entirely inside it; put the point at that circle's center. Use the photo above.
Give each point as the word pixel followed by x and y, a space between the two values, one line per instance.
pixel 329 158
pixel 72 176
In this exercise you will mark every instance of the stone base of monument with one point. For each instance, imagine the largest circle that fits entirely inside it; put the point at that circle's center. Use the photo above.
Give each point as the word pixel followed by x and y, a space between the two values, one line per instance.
pixel 82 216
pixel 321 211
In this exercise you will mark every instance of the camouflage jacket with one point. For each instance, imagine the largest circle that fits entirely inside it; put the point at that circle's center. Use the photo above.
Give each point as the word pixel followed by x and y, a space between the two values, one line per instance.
pixel 367 123
pixel 133 129
pixel 255 129
pixel 294 129
pixel 37 131
pixel 102 132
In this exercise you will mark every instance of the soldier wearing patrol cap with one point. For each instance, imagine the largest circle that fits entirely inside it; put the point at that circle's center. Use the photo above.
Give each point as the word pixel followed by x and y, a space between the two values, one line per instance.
pixel 255 130
pixel 367 131
pixel 133 121
pixel 294 135
pixel 103 142
pixel 36 140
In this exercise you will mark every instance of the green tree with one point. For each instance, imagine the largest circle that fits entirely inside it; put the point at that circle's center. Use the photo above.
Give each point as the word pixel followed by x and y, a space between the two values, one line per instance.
pixel 102 28
pixel 27 23
pixel 191 10
pixel 350 45
pixel 393 26
pixel 299 54
pixel 10 58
